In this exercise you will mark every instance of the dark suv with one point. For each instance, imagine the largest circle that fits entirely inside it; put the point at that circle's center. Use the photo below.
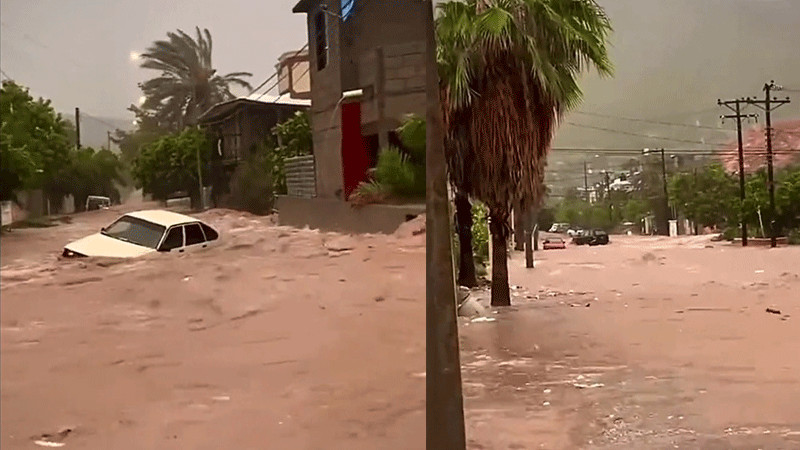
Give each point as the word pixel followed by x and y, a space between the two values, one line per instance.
pixel 593 237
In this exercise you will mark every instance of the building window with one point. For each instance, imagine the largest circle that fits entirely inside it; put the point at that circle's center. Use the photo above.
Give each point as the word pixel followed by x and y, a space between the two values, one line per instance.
pixel 347 8
pixel 321 31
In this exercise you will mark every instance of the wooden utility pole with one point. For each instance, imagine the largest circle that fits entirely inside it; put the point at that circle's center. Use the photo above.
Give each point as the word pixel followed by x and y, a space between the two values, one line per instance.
pixel 444 398
pixel 108 134
pixel 768 105
pixel 738 116
pixel 77 127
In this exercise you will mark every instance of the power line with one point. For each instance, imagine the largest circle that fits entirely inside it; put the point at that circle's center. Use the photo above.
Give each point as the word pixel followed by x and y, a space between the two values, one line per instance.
pixel 658 122
pixel 113 127
pixel 628 133
pixel 6 75
pixel 358 7
pixel 304 47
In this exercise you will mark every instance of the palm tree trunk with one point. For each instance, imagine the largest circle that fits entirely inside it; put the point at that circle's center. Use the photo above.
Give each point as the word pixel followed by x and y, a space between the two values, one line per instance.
pixel 519 227
pixel 466 269
pixel 498 227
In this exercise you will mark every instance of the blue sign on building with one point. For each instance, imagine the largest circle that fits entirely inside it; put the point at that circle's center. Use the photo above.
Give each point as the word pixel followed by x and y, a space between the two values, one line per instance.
pixel 347 8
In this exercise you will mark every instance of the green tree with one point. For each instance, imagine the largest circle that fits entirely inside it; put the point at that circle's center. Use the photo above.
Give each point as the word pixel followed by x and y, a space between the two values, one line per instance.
pixel 288 139
pixel 34 140
pixel 709 197
pixel 509 71
pixel 89 172
pixel 188 85
pixel 169 164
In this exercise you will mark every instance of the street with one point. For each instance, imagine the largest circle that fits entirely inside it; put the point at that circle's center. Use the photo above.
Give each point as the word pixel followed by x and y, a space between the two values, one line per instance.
pixel 278 338
pixel 648 342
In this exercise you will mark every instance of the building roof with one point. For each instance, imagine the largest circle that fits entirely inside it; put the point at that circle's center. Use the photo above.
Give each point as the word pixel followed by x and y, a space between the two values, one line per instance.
pixel 162 217
pixel 303 6
pixel 224 108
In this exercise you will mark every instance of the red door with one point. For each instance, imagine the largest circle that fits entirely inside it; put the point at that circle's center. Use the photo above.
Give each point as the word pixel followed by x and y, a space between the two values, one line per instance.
pixel 355 159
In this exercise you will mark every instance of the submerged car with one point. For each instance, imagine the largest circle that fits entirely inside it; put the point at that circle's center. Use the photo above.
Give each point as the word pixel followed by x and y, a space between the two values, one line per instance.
pixel 553 243
pixel 591 237
pixel 139 233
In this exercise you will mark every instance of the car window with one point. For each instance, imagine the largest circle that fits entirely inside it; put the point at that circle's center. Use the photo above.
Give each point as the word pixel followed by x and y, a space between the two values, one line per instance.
pixel 174 239
pixel 211 235
pixel 194 234
pixel 135 231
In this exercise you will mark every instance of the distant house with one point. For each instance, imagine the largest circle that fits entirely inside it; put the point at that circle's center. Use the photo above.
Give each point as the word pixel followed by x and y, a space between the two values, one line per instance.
pixel 366 62
pixel 240 125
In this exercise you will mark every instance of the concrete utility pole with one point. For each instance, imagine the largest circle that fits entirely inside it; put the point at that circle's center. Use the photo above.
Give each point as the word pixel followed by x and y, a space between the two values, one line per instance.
pixel 738 116
pixel 768 105
pixel 444 397
pixel 78 127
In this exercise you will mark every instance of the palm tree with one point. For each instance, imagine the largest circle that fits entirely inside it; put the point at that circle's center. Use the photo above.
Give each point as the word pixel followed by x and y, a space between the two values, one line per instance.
pixel 509 73
pixel 188 85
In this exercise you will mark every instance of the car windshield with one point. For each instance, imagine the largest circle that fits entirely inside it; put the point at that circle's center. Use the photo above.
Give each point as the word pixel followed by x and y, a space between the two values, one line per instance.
pixel 136 231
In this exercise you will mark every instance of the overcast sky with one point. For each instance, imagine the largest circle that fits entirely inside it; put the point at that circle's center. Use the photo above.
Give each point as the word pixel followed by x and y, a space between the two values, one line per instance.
pixel 77 52
pixel 672 57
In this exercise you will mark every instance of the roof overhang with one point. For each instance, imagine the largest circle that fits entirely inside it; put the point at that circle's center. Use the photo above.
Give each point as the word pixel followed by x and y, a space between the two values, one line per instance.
pixel 223 109
pixel 304 6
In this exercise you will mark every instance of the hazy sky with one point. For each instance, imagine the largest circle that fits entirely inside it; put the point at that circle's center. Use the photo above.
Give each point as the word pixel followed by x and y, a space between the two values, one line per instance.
pixel 77 52
pixel 673 57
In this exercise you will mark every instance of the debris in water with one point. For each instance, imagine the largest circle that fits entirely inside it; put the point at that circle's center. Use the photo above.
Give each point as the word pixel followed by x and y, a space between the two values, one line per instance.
pixel 759 271
pixel 588 386
pixel 49 444
pixel 484 319
pixel 773 311
pixel 221 398
pixel 546 404
pixel 379 299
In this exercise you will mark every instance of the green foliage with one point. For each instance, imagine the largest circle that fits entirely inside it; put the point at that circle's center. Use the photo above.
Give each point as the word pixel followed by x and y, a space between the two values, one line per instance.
pixel 289 139
pixel 708 197
pixel 187 84
pixel 251 186
pixel 400 173
pixel 480 231
pixel 34 140
pixel 413 137
pixel 634 210
pixel 794 236
pixel 89 172
pixel 169 164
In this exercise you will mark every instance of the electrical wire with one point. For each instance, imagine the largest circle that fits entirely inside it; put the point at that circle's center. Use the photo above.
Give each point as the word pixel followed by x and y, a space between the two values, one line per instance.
pixel 656 122
pixel 628 133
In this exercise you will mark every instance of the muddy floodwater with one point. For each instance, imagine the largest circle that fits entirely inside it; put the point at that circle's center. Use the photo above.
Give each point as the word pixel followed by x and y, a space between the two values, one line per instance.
pixel 647 343
pixel 278 338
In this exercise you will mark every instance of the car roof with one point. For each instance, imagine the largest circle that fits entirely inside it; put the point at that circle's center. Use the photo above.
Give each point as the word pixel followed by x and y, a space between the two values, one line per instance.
pixel 162 217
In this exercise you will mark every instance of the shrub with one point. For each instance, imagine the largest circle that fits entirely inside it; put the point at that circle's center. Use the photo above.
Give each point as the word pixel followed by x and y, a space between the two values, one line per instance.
pixel 251 186
pixel 794 236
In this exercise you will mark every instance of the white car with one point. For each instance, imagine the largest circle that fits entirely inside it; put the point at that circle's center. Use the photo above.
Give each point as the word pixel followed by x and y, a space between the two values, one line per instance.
pixel 142 232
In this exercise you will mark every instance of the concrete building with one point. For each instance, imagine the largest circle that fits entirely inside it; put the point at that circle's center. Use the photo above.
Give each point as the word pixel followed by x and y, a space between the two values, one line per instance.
pixel 366 62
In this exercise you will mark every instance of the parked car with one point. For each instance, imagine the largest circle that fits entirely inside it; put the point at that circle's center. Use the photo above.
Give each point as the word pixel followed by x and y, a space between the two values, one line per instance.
pixel 94 202
pixel 591 237
pixel 142 232
pixel 553 243
pixel 574 231
pixel 559 228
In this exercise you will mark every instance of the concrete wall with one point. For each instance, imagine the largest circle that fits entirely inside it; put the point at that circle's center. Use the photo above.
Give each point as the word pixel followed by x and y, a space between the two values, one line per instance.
pixel 402 77
pixel 396 27
pixel 338 216
pixel 325 112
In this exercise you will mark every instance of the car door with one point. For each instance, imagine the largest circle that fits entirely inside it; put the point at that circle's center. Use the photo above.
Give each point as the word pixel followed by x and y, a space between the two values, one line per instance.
pixel 174 240
pixel 195 239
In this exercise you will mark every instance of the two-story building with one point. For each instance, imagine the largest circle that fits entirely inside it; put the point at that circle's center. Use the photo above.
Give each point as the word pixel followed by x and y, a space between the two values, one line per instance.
pixel 366 64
